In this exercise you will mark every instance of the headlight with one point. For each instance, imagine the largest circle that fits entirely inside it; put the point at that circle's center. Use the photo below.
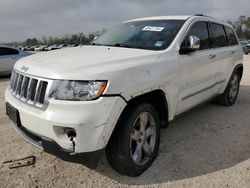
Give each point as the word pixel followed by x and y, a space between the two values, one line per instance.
pixel 80 90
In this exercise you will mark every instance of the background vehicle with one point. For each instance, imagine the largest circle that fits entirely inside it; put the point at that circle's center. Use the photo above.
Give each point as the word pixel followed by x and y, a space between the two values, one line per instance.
pixel 117 93
pixel 26 48
pixel 56 47
pixel 73 45
pixel 32 48
pixel 41 48
pixel 246 46
pixel 20 48
pixel 61 46
pixel 8 57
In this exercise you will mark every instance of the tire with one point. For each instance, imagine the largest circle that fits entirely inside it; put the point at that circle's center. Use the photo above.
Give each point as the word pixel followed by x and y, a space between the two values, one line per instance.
pixel 230 94
pixel 134 144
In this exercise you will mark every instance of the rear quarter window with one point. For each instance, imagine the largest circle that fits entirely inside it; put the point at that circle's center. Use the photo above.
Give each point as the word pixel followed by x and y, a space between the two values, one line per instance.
pixel 218 35
pixel 231 37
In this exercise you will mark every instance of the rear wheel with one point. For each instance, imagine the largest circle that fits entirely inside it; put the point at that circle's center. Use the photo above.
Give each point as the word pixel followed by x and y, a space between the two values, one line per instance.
pixel 134 145
pixel 229 96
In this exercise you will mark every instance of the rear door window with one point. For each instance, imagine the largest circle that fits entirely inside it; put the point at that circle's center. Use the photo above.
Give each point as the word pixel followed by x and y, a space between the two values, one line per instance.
pixel 218 35
pixel 8 51
pixel 231 37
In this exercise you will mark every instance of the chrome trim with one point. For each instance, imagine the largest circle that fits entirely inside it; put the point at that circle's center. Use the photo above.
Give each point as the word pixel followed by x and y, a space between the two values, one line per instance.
pixel 25 88
pixel 202 90
pixel 35 143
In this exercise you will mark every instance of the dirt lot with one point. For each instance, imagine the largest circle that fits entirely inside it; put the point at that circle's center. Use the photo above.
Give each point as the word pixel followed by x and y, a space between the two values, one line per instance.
pixel 207 147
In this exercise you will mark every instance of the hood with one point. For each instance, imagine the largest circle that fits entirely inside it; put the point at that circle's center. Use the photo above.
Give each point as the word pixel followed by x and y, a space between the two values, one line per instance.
pixel 82 63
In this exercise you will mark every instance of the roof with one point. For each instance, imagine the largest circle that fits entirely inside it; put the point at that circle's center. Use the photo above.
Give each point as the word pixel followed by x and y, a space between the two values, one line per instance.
pixel 182 17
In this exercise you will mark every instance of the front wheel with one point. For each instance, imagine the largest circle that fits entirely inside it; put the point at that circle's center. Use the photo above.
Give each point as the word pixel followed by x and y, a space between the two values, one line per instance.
pixel 135 143
pixel 229 96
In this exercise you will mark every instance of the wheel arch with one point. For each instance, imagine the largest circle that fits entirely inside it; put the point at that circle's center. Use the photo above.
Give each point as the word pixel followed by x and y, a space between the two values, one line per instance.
pixel 240 69
pixel 157 98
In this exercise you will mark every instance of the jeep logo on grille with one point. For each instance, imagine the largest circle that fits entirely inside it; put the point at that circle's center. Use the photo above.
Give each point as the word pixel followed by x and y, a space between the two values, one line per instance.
pixel 24 68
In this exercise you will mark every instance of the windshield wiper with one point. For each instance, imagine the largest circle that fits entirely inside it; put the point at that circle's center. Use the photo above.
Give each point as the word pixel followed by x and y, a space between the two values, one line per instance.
pixel 96 44
pixel 120 45
pixel 113 45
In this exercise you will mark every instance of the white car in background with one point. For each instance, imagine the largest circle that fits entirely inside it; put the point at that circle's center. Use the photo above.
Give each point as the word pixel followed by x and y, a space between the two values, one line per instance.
pixel 41 48
pixel 56 47
pixel 8 57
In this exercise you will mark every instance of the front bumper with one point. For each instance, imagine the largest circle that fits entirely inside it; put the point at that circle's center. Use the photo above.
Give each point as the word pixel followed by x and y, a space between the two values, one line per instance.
pixel 93 122
pixel 89 159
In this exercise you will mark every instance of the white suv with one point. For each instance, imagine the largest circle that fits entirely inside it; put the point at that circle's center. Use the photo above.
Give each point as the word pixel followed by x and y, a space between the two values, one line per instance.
pixel 117 92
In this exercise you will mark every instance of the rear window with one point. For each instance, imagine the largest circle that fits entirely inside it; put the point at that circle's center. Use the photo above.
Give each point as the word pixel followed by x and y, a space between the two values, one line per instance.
pixel 218 35
pixel 8 51
pixel 231 38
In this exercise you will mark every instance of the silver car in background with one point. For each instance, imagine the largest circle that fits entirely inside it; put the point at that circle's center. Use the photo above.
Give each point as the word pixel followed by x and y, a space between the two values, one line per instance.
pixel 8 57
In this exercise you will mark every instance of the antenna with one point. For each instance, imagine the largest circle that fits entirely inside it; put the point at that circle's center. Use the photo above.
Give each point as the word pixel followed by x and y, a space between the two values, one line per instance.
pixel 199 15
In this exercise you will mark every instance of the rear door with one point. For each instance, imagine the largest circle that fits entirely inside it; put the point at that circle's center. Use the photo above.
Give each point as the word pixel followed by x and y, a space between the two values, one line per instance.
pixel 197 70
pixel 8 57
pixel 224 54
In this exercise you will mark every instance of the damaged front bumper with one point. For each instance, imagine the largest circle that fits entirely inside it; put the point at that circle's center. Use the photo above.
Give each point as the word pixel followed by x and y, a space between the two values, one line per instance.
pixel 89 159
pixel 68 129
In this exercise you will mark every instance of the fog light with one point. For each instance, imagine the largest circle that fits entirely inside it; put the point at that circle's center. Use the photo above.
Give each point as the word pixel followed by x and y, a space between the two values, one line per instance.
pixel 65 132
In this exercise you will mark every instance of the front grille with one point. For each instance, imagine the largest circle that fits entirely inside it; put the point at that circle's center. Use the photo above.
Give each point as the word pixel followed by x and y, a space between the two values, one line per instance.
pixel 29 89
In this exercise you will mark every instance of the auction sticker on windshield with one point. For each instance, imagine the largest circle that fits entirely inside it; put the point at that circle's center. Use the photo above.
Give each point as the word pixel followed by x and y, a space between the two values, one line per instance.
pixel 159 44
pixel 153 28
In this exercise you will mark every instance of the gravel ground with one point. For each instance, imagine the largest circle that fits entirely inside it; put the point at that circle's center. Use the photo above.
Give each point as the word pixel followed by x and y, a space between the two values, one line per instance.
pixel 207 147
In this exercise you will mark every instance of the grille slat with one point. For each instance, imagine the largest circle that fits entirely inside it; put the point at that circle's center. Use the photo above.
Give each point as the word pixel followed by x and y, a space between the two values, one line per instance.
pixel 41 91
pixel 21 89
pixel 12 79
pixel 29 89
pixel 15 82
pixel 36 91
pixel 25 87
pixel 19 85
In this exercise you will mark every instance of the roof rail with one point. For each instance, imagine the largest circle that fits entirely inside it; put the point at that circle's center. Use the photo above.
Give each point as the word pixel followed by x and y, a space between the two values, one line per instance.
pixel 206 16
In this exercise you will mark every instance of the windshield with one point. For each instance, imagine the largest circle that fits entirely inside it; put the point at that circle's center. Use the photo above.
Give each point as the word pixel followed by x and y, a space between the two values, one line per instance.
pixel 149 34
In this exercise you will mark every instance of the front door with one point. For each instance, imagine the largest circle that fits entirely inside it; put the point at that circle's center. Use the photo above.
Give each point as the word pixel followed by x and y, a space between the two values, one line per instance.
pixel 197 76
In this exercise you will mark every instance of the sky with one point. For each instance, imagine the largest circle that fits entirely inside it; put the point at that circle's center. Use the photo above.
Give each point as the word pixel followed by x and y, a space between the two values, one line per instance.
pixel 22 19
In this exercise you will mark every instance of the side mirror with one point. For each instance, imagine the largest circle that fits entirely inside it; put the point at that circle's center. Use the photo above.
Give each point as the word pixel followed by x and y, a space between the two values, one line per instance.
pixel 190 45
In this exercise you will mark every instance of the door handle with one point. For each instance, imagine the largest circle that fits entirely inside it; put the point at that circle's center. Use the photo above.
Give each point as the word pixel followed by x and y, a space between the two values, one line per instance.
pixel 211 56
